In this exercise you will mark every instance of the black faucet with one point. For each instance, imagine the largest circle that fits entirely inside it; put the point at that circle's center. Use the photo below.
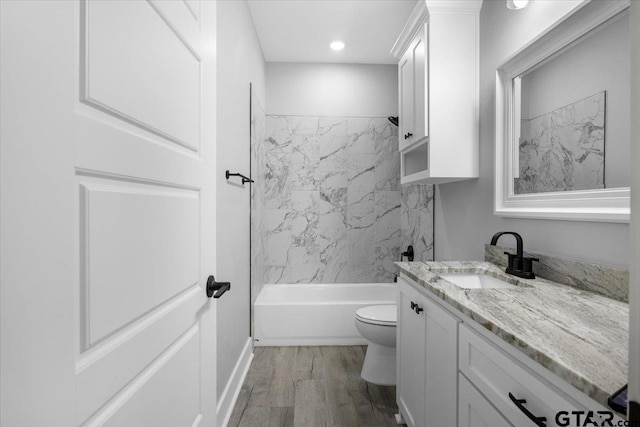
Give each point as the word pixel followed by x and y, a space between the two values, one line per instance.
pixel 408 254
pixel 518 264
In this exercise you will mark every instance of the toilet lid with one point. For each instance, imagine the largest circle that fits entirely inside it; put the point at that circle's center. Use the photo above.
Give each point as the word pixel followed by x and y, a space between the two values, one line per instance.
pixel 378 314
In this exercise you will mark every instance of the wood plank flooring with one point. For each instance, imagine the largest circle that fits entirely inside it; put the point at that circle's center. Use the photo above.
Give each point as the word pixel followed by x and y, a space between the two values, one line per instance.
pixel 309 387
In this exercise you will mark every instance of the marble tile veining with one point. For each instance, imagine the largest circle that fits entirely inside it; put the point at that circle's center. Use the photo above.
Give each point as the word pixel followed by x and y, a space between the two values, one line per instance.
pixel 579 335
pixel 564 150
pixel 416 220
pixel 332 191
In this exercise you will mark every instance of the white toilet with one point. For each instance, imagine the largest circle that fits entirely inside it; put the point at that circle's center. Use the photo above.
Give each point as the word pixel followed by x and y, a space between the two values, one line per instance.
pixel 377 323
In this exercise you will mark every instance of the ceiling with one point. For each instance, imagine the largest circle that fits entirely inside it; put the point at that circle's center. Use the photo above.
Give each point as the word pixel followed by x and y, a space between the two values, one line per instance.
pixel 301 30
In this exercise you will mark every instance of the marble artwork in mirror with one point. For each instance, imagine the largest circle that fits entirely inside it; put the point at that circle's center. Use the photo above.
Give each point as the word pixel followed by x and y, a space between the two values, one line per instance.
pixel 564 118
pixel 563 150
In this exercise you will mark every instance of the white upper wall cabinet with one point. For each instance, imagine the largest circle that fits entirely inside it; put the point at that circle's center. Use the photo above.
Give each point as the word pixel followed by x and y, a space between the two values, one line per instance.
pixel 438 92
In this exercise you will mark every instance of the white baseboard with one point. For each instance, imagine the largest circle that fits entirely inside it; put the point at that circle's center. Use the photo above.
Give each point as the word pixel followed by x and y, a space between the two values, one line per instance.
pixel 227 400
pixel 286 342
pixel 399 419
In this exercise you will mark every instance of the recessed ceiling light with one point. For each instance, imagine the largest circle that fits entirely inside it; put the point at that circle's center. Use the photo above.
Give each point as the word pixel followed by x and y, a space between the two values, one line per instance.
pixel 517 4
pixel 337 45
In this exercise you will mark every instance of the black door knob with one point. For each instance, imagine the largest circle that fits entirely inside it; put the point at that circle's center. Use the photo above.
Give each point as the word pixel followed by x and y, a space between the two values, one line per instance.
pixel 213 286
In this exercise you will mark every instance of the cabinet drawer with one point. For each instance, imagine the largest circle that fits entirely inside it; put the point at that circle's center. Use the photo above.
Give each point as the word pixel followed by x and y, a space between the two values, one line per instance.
pixel 476 411
pixel 496 375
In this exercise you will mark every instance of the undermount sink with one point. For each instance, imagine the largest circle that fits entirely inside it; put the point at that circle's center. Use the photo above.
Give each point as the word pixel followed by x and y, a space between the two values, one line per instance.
pixel 476 281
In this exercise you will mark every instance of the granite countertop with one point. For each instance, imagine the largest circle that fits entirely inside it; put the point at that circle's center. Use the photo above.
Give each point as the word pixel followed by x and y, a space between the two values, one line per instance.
pixel 581 336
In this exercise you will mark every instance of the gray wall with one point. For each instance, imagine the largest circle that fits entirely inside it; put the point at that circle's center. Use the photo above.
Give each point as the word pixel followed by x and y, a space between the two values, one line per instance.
pixel 464 219
pixel 332 89
pixel 240 62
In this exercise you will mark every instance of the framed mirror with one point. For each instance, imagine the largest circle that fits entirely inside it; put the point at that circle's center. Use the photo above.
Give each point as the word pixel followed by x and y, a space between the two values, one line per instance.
pixel 563 120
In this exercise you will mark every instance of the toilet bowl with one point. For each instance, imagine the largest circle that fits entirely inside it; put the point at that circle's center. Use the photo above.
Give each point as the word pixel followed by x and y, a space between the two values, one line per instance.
pixel 377 324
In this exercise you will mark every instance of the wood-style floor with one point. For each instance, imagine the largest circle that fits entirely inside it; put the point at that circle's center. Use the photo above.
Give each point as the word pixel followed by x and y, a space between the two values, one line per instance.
pixel 309 387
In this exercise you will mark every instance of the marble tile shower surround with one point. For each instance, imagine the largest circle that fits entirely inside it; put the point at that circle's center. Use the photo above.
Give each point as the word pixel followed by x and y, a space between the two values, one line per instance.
pixel 564 150
pixel 258 130
pixel 416 220
pixel 333 206
pixel 607 281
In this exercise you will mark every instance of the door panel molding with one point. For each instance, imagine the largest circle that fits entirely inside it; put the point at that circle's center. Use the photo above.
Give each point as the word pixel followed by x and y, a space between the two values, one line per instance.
pixel 104 139
pixel 117 224
pixel 126 396
pixel 158 92
pixel 100 372
pixel 192 9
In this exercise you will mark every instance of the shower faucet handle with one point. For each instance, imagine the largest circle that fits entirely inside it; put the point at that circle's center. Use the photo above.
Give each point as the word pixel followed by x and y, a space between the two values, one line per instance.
pixel 408 254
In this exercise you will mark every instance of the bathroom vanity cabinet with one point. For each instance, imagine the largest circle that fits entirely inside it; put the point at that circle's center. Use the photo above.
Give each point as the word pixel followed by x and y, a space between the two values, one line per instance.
pixel 438 92
pixel 453 372
pixel 427 368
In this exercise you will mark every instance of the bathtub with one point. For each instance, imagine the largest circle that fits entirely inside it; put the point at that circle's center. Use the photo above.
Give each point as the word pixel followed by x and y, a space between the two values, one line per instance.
pixel 315 314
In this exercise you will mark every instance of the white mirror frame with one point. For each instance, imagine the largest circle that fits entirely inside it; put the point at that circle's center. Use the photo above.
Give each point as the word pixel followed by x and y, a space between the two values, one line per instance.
pixel 609 204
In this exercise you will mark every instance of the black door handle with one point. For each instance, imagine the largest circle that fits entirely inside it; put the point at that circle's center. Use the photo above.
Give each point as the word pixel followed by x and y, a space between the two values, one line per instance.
pixel 418 309
pixel 213 286
pixel 539 421
pixel 413 305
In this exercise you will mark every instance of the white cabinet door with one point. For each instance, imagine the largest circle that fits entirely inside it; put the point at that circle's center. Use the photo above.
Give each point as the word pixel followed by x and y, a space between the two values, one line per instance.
pixel 407 96
pixel 474 410
pixel 107 213
pixel 419 47
pixel 410 385
pixel 413 81
pixel 441 360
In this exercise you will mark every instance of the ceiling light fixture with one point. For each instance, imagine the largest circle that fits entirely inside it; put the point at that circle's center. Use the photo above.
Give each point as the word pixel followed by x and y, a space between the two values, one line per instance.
pixel 517 4
pixel 337 45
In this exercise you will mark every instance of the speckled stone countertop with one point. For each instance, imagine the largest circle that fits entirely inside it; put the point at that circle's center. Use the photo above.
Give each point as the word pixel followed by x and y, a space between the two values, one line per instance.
pixel 581 336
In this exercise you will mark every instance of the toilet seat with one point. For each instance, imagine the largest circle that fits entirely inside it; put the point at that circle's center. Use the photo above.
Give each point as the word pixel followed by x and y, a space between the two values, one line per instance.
pixel 383 315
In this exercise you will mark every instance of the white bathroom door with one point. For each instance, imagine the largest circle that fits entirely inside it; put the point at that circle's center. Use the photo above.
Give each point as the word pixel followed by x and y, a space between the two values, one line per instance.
pixel 107 163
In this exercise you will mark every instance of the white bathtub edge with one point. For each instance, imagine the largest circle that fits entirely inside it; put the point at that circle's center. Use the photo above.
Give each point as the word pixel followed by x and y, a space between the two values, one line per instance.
pixel 227 400
pixel 290 342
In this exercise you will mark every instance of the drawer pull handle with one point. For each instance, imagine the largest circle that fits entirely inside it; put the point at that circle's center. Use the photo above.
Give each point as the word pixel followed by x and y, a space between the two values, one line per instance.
pixel 415 307
pixel 539 421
